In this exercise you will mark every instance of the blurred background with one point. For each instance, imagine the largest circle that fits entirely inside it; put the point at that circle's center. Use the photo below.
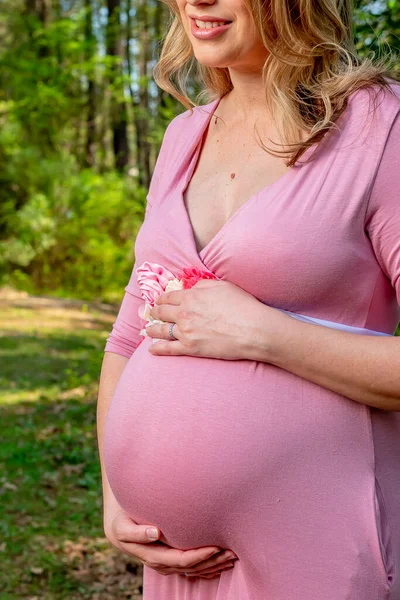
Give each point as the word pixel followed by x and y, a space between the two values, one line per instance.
pixel 81 122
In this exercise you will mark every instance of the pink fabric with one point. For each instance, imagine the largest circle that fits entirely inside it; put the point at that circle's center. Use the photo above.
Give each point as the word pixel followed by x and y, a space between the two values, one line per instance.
pixel 301 482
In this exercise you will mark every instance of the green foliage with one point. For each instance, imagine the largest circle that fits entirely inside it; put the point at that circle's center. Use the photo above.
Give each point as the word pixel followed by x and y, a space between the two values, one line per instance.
pixel 63 227
pixel 378 28
pixel 66 226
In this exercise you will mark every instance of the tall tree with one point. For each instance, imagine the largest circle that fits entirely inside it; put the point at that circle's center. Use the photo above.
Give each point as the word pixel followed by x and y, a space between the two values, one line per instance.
pixel 118 108
pixel 41 10
pixel 90 49
pixel 161 15
pixel 141 103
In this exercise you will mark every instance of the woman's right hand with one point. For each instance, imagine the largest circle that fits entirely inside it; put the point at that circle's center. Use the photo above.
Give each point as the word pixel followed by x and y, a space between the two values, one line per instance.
pixel 134 540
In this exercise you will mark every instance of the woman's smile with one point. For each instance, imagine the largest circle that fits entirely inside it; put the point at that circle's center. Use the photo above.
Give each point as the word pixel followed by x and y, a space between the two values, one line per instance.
pixel 205 28
pixel 230 26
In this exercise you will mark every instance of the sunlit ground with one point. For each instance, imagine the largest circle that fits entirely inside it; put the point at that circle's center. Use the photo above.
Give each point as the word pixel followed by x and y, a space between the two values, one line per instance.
pixel 52 544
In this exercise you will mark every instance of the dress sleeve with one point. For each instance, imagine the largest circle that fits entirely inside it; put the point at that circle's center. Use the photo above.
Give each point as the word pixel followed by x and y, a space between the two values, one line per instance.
pixel 383 212
pixel 124 337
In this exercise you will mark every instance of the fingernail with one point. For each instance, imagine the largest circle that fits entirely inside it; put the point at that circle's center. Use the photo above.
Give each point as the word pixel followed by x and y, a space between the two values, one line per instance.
pixel 212 553
pixel 152 533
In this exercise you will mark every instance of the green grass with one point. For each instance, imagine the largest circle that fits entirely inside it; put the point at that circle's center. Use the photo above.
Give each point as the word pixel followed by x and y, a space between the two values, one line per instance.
pixel 52 544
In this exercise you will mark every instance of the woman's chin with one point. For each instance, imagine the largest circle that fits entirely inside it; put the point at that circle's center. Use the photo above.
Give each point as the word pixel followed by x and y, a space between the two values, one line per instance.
pixel 209 59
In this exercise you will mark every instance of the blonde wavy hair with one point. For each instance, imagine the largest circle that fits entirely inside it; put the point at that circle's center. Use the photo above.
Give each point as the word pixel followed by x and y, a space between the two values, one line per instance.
pixel 311 70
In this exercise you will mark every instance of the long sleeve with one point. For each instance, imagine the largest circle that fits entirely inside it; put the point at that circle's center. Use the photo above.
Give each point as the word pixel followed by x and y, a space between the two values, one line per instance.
pixel 383 213
pixel 124 337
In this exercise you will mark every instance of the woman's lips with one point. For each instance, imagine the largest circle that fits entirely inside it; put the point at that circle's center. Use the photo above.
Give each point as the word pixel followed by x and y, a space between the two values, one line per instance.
pixel 206 34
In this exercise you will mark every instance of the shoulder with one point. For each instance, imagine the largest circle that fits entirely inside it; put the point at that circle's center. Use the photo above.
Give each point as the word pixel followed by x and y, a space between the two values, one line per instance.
pixel 384 196
pixel 362 130
pixel 188 121
pixel 181 132
pixel 177 138
pixel 373 109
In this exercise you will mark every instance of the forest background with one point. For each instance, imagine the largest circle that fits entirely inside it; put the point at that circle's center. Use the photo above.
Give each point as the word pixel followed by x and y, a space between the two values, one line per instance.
pixel 81 122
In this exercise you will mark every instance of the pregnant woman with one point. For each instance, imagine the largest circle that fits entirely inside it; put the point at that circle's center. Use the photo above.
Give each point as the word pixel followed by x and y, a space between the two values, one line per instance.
pixel 249 424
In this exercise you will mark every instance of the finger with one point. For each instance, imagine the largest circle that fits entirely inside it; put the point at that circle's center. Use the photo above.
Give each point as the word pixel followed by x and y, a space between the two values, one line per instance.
pixel 189 576
pixel 130 532
pixel 216 560
pixel 161 331
pixel 207 566
pixel 210 576
pixel 167 348
pixel 222 567
pixel 160 556
pixel 165 312
pixel 174 297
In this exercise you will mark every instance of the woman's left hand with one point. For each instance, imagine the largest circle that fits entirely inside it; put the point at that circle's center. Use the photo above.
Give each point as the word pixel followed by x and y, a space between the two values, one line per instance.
pixel 214 319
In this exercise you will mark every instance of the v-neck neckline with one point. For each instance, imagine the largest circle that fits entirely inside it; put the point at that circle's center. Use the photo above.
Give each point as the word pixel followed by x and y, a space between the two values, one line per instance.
pixel 193 156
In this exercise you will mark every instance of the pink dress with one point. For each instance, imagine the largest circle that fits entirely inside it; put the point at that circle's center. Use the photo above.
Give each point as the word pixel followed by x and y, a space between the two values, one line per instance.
pixel 303 484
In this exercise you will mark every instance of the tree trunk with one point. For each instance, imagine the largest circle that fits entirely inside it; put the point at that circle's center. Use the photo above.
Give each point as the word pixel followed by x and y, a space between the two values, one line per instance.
pixel 90 48
pixel 58 16
pixel 160 20
pixel 141 108
pixel 118 109
pixel 41 9
pixel 44 11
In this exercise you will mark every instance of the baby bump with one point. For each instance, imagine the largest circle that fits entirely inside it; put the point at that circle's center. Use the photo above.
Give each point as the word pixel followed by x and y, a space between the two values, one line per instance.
pixel 196 446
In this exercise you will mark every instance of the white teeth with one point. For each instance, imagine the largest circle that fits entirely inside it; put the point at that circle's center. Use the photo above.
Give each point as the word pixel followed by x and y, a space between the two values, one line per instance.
pixel 209 24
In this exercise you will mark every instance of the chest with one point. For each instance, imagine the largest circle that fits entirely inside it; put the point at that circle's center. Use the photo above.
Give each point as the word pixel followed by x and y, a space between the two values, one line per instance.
pixel 224 173
pixel 293 238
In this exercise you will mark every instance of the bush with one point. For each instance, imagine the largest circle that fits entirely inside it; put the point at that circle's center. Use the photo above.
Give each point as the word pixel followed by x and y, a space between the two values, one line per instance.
pixel 64 230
